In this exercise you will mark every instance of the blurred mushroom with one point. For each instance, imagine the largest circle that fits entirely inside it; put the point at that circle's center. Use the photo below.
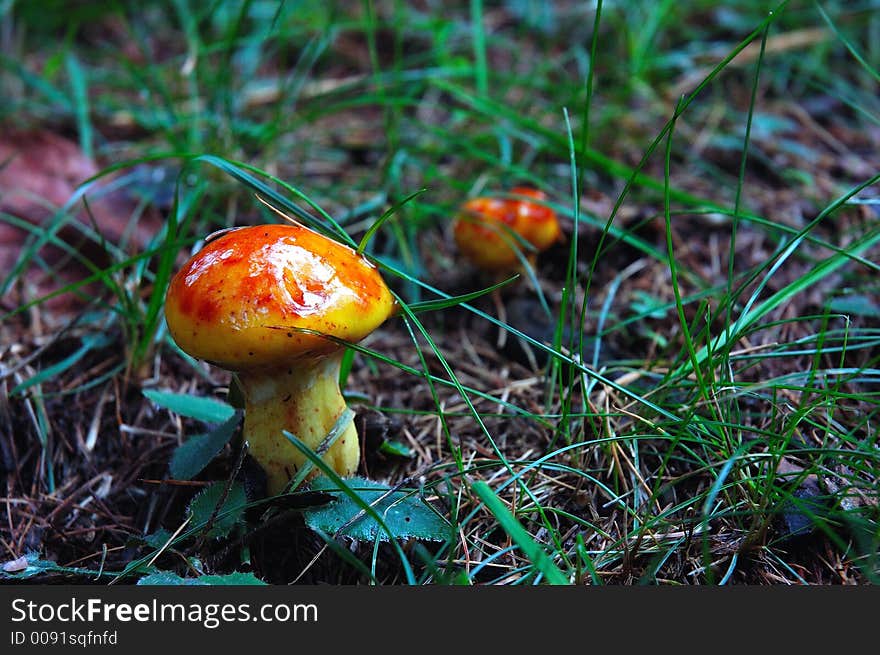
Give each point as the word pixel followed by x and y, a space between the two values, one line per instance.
pixel 259 301
pixel 500 235
pixel 495 233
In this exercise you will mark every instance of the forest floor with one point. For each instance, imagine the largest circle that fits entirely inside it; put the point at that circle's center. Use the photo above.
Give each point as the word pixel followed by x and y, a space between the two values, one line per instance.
pixel 696 402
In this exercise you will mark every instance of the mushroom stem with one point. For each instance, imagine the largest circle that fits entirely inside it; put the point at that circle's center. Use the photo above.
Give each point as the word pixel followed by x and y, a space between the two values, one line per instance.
pixel 303 398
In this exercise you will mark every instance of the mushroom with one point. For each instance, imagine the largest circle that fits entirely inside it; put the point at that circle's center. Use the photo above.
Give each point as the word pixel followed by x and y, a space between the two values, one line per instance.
pixel 258 301
pixel 503 234
pixel 491 232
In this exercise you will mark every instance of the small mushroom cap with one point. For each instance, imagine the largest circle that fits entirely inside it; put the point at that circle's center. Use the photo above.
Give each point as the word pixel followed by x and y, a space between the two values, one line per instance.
pixel 537 222
pixel 488 229
pixel 240 301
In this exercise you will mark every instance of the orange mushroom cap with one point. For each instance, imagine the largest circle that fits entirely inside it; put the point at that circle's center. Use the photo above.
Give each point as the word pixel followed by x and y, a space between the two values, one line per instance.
pixel 487 229
pixel 240 300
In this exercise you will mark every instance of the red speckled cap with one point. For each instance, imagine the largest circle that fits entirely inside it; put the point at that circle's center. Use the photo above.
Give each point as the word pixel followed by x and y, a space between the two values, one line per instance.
pixel 239 301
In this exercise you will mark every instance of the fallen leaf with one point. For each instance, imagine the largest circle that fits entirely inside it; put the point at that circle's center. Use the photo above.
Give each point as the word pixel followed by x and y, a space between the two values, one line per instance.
pixel 16 565
pixel 40 172
pixel 806 501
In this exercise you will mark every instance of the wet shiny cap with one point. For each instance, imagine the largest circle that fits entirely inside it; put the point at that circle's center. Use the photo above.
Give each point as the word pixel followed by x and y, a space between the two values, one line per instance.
pixel 240 301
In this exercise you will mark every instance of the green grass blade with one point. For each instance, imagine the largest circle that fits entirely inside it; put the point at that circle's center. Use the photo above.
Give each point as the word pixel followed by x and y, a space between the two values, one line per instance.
pixel 454 301
pixel 371 232
pixel 534 551
pixel 80 91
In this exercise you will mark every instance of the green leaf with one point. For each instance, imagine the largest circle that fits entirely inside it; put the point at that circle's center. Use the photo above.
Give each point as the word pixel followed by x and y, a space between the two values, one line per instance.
pixel 156 539
pixel 647 305
pixel 197 407
pixel 405 514
pixel 397 448
pixel 856 304
pixel 343 486
pixel 168 578
pixel 223 513
pixel 531 548
pixel 194 454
